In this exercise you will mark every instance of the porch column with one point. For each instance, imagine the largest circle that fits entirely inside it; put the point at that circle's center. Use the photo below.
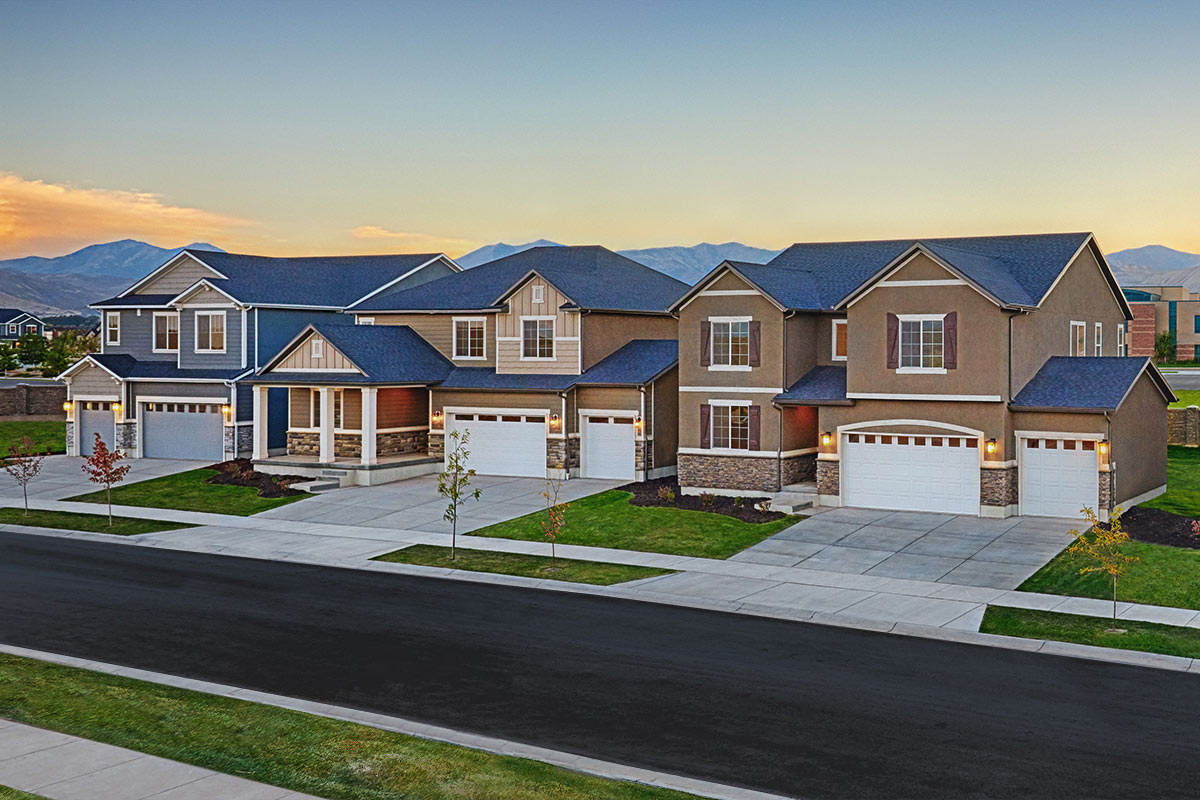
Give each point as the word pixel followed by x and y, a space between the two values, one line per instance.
pixel 325 439
pixel 370 397
pixel 260 418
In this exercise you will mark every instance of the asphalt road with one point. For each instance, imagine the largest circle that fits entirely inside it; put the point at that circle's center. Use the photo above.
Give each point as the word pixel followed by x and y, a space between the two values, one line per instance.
pixel 798 709
pixel 1188 379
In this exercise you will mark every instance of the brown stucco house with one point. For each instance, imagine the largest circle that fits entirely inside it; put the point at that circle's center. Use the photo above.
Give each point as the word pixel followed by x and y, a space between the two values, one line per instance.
pixel 559 362
pixel 981 375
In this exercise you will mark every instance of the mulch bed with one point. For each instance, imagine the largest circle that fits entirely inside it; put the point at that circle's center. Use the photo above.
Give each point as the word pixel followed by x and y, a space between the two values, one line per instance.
pixel 1156 526
pixel 240 472
pixel 646 494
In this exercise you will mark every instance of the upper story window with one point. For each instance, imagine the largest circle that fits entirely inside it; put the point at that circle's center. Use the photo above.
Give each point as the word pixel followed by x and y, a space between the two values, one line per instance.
pixel 469 338
pixel 112 327
pixel 1121 339
pixel 1099 339
pixel 730 343
pixel 839 340
pixel 210 331
pixel 922 342
pixel 166 333
pixel 318 348
pixel 13 328
pixel 539 293
pixel 731 427
pixel 31 327
pixel 537 338
pixel 1079 338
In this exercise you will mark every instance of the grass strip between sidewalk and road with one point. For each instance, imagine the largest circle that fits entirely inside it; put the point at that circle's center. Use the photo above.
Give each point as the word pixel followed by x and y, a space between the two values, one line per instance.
pixel 94 523
pixel 187 491
pixel 7 793
pixel 572 570
pixel 49 436
pixel 297 751
pixel 608 519
pixel 1148 637
pixel 1165 576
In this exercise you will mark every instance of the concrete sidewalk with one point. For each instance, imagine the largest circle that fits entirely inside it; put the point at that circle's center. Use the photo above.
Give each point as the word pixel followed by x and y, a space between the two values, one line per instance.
pixel 61 767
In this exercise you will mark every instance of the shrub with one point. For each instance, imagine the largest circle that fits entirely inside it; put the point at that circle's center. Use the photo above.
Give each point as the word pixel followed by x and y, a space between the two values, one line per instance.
pixel 739 501
pixel 707 499
pixel 665 494
pixel 764 505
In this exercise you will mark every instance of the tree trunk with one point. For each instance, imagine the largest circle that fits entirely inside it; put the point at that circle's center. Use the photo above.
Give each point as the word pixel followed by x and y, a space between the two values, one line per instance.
pixel 454 520
pixel 1114 577
pixel 108 494
pixel 25 494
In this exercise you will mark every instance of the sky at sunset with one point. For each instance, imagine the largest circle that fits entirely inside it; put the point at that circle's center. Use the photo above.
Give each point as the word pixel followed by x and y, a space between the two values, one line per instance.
pixel 298 128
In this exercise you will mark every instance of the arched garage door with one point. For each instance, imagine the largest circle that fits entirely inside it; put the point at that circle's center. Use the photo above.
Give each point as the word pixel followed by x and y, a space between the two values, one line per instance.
pixel 183 430
pixel 911 473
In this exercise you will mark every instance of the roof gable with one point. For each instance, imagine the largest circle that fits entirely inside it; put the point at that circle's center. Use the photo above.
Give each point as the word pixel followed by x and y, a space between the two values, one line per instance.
pixel 302 355
pixel 1086 383
pixel 184 259
pixel 373 353
pixel 907 260
pixel 739 269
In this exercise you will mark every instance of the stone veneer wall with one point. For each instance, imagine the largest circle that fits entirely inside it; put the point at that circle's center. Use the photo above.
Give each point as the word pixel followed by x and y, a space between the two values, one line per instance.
pixel 800 469
pixel 556 454
pixel 399 443
pixel 573 451
pixel 70 438
pixel 347 445
pixel 829 478
pixel 127 436
pixel 1183 426
pixel 437 444
pixel 245 436
pixel 1106 498
pixel 303 443
pixel 998 487
pixel 728 472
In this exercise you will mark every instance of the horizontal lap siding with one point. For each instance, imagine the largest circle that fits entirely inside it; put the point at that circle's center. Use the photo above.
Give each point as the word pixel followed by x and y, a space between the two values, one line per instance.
pixel 566 324
pixel 94 381
pixel 137 337
pixel 230 359
pixel 402 408
pixel 179 277
pixel 438 330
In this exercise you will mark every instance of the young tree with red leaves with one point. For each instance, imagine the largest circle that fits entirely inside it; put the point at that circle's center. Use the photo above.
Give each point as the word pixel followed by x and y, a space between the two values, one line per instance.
pixel 104 466
pixel 23 464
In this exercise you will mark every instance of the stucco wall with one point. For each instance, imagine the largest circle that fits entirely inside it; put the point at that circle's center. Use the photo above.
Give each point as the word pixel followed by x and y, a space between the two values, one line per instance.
pixel 1139 441
pixel 603 334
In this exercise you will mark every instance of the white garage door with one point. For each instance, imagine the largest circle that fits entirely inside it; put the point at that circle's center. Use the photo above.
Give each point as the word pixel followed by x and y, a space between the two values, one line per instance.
pixel 92 417
pixel 911 473
pixel 608 447
pixel 183 430
pixel 504 444
pixel 1058 477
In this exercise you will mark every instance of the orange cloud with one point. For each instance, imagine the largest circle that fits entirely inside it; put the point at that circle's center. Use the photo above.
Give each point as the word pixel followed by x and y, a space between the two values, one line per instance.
pixel 48 219
pixel 416 241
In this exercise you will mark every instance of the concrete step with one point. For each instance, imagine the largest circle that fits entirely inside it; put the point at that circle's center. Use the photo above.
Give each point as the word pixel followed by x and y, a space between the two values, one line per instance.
pixel 335 473
pixel 317 486
pixel 793 502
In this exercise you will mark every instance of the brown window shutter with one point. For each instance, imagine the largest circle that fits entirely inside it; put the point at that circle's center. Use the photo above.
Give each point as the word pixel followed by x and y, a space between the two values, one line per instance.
pixel 755 342
pixel 705 344
pixel 950 341
pixel 754 427
pixel 705 421
pixel 893 341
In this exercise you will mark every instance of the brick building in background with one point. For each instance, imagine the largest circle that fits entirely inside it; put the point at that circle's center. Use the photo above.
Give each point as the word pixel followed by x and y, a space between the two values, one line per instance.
pixel 1157 309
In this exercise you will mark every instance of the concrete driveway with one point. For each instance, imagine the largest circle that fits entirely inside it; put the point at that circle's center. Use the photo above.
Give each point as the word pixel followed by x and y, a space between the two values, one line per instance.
pixel 415 504
pixel 62 477
pixel 968 551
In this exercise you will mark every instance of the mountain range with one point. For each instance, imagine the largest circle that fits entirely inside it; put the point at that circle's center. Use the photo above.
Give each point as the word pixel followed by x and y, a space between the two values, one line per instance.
pixel 66 284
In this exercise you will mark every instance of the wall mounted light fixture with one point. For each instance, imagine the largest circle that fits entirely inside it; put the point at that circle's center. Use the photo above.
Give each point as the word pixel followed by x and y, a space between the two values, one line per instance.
pixel 991 446
pixel 826 439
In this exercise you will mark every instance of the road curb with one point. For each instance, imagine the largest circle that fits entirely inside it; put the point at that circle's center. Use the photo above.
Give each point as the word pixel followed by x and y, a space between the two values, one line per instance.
pixel 490 744
pixel 977 638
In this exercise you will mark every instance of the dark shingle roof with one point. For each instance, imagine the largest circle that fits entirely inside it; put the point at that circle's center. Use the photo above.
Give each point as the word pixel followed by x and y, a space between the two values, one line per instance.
pixel 591 276
pixel 128 367
pixel 1016 270
pixel 637 363
pixel 7 314
pixel 385 353
pixel 1084 383
pixel 328 281
pixel 820 386
pixel 163 300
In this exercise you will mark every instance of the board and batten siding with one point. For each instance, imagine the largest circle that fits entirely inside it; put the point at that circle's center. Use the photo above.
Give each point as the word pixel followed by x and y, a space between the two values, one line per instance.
pixel 566 331
pixel 438 330
pixel 180 276
pixel 301 358
pixel 94 382
pixel 230 359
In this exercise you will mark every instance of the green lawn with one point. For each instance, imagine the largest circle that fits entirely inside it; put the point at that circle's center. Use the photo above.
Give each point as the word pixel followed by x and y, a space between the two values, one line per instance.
pixel 1165 576
pixel 571 570
pixel 187 491
pixel 98 523
pixel 1149 637
pixel 609 520
pixel 1183 483
pixel 49 436
pixel 14 794
pixel 296 751
pixel 1187 397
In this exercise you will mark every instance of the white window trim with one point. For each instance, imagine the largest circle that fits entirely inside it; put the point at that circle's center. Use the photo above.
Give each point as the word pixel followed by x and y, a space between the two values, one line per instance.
pixel 108 330
pixel 712 350
pixel 900 338
pixel 1075 338
pixel 154 332
pixel 833 340
pixel 224 331
pixel 13 328
pixel 454 338
pixel 553 338
pixel 317 348
pixel 537 293
pixel 1099 338
pixel 366 320
pixel 1121 338
pixel 712 426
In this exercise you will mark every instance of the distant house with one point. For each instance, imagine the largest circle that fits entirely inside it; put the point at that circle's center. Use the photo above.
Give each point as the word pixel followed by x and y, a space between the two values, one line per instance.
pixel 14 323
pixel 1164 309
